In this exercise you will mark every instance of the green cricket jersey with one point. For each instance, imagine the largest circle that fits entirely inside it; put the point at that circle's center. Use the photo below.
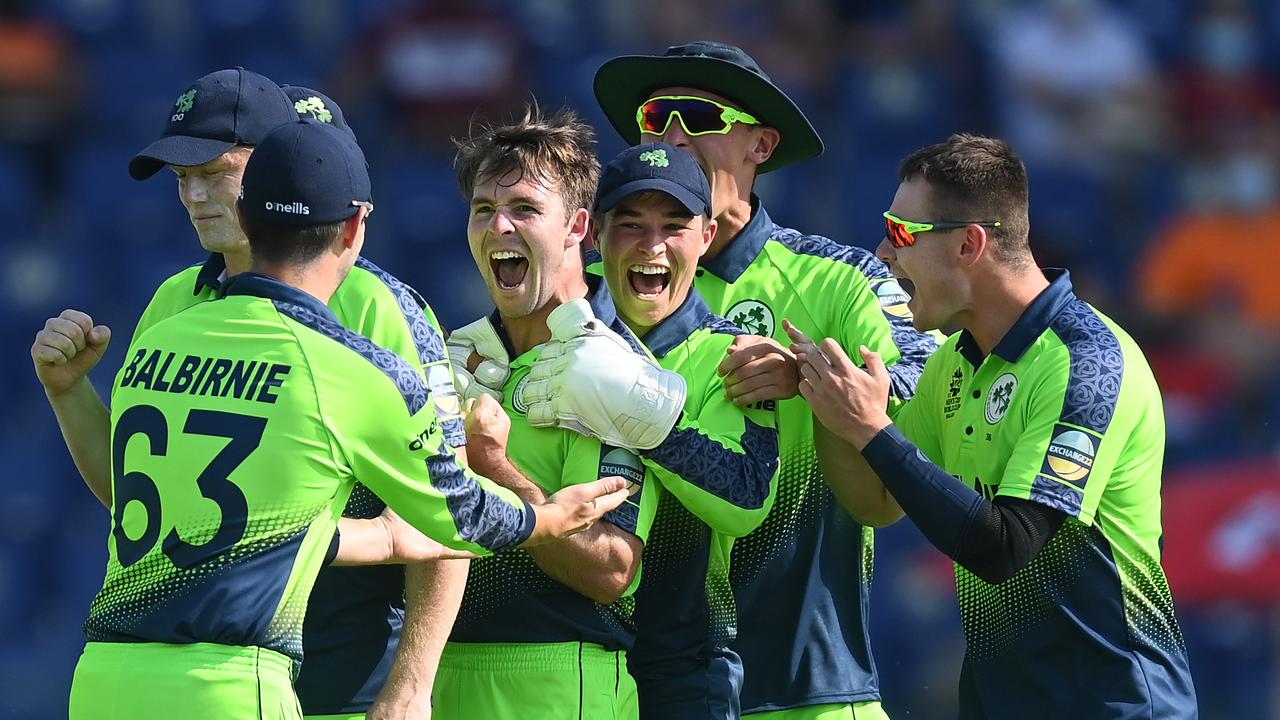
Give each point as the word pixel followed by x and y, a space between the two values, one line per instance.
pixel 808 645
pixel 509 599
pixel 239 428
pixel 1064 412
pixel 355 614
pixel 719 469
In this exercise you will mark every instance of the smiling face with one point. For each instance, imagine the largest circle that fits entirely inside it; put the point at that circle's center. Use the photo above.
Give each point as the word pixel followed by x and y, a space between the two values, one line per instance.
pixel 930 268
pixel 651 245
pixel 209 193
pixel 520 235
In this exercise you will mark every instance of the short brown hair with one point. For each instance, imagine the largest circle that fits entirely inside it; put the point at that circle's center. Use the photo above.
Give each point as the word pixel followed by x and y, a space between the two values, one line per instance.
pixel 976 178
pixel 557 150
pixel 289 244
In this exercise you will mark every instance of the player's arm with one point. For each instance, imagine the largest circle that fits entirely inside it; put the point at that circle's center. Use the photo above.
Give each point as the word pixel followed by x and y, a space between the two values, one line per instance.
pixel 852 481
pixel 64 352
pixel 993 540
pixel 721 464
pixel 599 563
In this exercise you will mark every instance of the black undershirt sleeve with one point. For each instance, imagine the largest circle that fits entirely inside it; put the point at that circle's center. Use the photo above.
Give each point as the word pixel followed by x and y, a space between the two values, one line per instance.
pixel 993 540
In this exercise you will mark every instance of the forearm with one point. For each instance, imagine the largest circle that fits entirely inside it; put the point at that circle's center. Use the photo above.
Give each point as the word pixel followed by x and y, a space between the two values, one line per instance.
pixel 432 593
pixel 852 481
pixel 598 563
pixel 363 542
pixel 991 540
pixel 86 429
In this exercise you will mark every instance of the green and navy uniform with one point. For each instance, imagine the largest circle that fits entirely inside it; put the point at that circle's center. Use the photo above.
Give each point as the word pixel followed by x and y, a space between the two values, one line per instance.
pixel 355 614
pixel 719 469
pixel 803 578
pixel 525 645
pixel 239 428
pixel 1066 413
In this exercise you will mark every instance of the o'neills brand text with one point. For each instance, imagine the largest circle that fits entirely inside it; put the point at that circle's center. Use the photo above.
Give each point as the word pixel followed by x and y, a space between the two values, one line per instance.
pixel 293 208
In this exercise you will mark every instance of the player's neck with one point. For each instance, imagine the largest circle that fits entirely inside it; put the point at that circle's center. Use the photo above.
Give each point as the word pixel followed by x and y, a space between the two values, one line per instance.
pixel 318 279
pixel 998 301
pixel 729 222
pixel 238 262
pixel 531 330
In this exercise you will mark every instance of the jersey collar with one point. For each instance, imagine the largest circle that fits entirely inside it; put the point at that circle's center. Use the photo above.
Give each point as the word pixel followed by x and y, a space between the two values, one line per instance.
pixel 678 326
pixel 743 250
pixel 210 275
pixel 1030 325
pixel 264 286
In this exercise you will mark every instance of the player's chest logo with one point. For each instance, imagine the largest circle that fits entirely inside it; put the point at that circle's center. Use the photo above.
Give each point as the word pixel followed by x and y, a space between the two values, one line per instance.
pixel 953 393
pixel 999 397
pixel 517 395
pixel 753 317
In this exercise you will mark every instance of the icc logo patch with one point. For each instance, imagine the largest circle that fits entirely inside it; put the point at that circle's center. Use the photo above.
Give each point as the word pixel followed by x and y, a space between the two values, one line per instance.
pixel 440 379
pixel 999 397
pixel 753 317
pixel 1070 455
pixel 893 299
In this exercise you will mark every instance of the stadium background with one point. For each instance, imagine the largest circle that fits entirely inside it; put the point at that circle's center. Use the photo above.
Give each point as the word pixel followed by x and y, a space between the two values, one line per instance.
pixel 1150 128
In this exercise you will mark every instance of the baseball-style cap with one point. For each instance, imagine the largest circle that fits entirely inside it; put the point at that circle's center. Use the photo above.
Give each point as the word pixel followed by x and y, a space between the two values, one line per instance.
pixel 654 166
pixel 622 83
pixel 218 112
pixel 311 103
pixel 305 173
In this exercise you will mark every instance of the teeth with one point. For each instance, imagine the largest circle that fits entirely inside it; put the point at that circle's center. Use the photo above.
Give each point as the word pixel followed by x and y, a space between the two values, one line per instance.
pixel 649 269
pixel 506 255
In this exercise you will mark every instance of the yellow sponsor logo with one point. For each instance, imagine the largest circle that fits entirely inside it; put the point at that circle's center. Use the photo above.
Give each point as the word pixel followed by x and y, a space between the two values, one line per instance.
pixel 893 299
pixel 1071 455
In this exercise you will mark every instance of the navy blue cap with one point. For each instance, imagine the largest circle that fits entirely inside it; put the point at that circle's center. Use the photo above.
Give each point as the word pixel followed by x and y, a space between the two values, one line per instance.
pixel 218 112
pixel 305 173
pixel 311 103
pixel 654 166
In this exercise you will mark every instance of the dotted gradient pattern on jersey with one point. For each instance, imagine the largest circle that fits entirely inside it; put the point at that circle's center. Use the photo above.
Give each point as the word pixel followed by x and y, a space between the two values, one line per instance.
pixel 1148 604
pixel 130 596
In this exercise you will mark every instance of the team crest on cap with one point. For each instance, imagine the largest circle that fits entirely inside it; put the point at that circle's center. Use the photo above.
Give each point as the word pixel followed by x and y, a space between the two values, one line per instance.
pixel 893 299
pixel 655 158
pixel 999 397
pixel 1070 455
pixel 314 107
pixel 753 317
pixel 185 101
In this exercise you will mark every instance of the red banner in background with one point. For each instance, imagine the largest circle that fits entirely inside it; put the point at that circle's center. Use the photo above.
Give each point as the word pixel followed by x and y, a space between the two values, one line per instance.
pixel 1222 532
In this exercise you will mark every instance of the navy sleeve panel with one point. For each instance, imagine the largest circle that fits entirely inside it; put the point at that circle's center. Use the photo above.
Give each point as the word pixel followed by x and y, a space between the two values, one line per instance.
pixel 741 478
pixel 993 541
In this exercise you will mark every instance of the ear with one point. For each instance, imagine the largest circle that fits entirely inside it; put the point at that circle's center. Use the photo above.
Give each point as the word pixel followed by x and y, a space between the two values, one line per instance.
pixel 766 142
pixel 976 245
pixel 708 235
pixel 351 230
pixel 579 227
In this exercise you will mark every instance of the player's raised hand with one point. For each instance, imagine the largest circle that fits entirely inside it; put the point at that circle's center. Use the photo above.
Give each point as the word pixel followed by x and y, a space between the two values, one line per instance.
pixel 479 360
pixel 759 368
pixel 848 400
pixel 577 507
pixel 488 429
pixel 68 347
pixel 591 381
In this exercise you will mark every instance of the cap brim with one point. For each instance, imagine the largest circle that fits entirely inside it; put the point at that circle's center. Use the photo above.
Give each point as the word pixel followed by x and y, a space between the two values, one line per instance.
pixel 622 83
pixel 175 150
pixel 691 202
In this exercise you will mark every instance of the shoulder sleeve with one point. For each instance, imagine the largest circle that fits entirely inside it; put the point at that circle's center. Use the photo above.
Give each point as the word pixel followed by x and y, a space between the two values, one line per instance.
pixel 380 412
pixel 720 460
pixel 393 315
pixel 588 460
pixel 1069 445
pixel 174 295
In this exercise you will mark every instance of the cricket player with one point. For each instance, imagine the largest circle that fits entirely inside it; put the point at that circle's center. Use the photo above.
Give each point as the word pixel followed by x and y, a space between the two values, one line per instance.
pixel 718 466
pixel 802 579
pixel 544 632
pixel 356 618
pixel 239 428
pixel 1031 453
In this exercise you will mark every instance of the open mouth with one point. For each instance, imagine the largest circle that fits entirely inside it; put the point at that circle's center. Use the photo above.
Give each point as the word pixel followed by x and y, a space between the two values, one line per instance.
pixel 648 281
pixel 906 285
pixel 509 268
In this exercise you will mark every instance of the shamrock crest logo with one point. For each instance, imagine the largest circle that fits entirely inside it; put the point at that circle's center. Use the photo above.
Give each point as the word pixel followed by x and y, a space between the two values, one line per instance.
pixel 753 317
pixel 314 107
pixel 999 396
pixel 185 101
pixel 655 158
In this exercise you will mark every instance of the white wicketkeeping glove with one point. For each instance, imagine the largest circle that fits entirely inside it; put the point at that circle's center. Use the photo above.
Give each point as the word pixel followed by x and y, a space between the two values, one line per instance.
pixel 589 380
pixel 492 373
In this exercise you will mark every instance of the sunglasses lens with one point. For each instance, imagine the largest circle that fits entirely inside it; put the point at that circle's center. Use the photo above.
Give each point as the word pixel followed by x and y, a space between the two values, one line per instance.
pixel 698 116
pixel 899 236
